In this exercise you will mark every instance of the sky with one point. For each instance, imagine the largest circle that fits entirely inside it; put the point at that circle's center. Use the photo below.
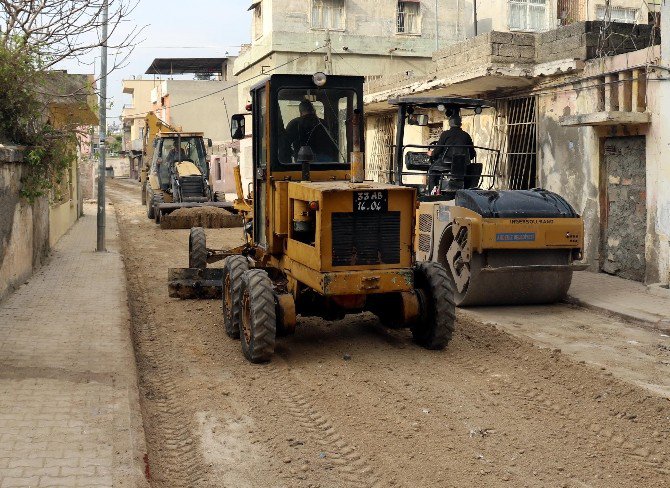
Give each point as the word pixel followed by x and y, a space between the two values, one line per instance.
pixel 174 28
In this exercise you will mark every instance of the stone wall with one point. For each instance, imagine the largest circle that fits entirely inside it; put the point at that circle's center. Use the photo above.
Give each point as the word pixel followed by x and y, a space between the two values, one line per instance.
pixel 24 228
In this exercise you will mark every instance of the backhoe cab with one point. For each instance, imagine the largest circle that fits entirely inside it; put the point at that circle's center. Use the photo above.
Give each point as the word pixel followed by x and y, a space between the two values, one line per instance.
pixel 499 246
pixel 319 240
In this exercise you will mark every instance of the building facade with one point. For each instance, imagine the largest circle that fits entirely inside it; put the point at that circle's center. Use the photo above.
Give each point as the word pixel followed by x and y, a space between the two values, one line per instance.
pixel 577 110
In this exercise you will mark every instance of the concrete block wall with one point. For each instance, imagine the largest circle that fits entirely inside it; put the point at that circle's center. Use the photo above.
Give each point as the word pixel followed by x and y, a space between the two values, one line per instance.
pixel 581 40
pixel 584 40
pixel 492 47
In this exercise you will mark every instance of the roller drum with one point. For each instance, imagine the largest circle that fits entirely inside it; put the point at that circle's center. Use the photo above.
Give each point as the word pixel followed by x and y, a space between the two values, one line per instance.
pixel 517 278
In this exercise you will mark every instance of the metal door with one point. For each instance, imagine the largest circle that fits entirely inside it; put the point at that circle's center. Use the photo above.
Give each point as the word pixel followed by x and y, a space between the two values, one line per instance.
pixel 626 207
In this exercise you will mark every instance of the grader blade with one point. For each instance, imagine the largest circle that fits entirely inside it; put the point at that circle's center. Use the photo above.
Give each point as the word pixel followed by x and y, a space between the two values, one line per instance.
pixel 189 283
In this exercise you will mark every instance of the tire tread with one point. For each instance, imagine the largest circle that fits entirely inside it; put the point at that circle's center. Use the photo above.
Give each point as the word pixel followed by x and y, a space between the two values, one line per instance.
pixel 437 327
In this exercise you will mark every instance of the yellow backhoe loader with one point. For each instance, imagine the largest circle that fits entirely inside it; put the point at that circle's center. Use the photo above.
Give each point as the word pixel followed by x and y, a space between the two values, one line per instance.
pixel 319 240
pixel 500 247
pixel 175 176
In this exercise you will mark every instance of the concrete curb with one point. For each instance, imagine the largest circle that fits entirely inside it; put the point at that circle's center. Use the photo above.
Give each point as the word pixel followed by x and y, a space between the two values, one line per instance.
pixel 661 325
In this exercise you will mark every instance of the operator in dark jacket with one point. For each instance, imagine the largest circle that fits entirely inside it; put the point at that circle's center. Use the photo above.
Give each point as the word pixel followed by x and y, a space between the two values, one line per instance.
pixel 309 130
pixel 452 142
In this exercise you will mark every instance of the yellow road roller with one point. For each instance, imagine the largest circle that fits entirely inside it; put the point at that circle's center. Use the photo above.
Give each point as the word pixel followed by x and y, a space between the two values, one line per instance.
pixel 500 247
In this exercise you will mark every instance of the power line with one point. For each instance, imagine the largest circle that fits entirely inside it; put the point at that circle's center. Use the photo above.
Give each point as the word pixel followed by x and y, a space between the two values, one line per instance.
pixel 236 84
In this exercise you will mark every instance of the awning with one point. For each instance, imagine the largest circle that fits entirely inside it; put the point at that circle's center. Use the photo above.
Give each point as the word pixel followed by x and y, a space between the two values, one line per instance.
pixel 254 5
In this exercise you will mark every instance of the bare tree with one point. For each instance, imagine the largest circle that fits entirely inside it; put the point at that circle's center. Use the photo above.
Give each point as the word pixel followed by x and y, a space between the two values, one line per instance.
pixel 56 30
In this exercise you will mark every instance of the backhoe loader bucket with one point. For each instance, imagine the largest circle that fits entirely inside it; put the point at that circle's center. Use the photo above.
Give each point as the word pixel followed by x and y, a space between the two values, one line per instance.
pixel 210 215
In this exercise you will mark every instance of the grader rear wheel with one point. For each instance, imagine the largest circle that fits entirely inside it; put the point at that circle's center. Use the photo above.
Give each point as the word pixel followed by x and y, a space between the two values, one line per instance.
pixel 258 324
pixel 435 327
pixel 197 248
pixel 234 268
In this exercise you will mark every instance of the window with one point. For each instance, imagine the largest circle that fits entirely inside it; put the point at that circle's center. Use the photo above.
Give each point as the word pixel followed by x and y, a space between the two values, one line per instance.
pixel 616 14
pixel 321 119
pixel 528 15
pixel 409 17
pixel 258 19
pixel 571 11
pixel 328 14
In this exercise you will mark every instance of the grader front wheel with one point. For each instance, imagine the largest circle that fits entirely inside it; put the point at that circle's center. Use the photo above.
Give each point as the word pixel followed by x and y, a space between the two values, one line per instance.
pixel 234 268
pixel 197 248
pixel 258 324
pixel 435 326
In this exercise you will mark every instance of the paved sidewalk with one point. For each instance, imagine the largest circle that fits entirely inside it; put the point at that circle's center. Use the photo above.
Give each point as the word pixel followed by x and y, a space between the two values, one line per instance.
pixel 627 299
pixel 69 403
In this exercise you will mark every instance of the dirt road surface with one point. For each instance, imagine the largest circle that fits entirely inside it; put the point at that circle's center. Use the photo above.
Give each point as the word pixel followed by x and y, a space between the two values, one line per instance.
pixel 492 410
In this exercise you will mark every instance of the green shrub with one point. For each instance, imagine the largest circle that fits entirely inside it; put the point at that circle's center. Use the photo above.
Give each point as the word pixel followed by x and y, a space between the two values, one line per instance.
pixel 24 121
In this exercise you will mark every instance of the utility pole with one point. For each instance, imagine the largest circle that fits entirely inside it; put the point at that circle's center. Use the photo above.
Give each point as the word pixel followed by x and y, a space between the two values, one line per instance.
pixel 329 54
pixel 474 7
pixel 103 130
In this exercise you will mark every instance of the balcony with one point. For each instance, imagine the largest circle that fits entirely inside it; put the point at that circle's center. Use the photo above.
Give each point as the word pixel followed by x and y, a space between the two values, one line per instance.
pixel 621 86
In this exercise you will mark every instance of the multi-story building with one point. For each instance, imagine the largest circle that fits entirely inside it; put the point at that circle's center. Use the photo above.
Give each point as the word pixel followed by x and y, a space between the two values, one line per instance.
pixel 366 37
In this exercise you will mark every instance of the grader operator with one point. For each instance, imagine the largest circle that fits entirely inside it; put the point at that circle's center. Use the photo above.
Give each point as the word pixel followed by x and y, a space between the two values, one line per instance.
pixel 319 240
pixel 500 247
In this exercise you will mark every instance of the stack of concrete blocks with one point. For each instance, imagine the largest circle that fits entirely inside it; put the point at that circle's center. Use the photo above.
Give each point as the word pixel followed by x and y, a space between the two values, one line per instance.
pixel 588 40
pixel 508 48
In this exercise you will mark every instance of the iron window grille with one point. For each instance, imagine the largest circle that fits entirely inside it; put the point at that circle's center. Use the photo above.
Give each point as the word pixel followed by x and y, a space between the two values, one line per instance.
pixel 409 18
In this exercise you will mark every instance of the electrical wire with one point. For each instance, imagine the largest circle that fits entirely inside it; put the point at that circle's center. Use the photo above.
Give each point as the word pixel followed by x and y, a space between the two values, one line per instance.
pixel 264 73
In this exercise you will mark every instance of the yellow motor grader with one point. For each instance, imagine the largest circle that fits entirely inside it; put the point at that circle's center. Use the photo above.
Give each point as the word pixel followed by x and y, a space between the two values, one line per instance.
pixel 500 247
pixel 319 240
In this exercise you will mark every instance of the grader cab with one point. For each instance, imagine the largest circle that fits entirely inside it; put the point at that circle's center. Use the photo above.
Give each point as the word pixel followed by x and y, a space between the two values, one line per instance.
pixel 319 240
